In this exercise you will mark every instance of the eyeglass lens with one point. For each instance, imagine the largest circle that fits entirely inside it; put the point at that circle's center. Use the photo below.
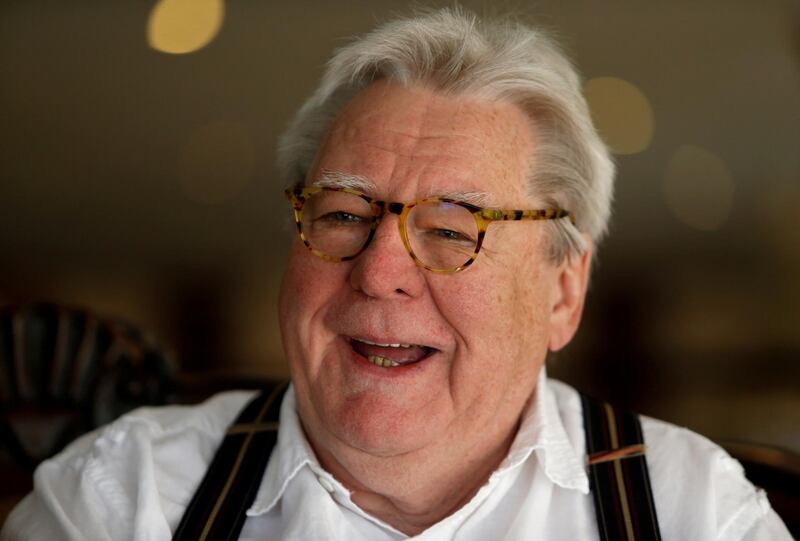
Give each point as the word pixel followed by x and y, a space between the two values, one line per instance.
pixel 441 235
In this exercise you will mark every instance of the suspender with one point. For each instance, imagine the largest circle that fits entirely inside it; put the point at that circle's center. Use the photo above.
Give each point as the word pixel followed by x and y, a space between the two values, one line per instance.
pixel 623 500
pixel 217 510
pixel 614 447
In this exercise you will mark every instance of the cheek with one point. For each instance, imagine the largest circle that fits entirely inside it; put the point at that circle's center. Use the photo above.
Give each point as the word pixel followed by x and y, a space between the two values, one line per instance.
pixel 503 317
pixel 308 283
pixel 500 317
pixel 499 343
pixel 292 294
pixel 307 291
pixel 500 300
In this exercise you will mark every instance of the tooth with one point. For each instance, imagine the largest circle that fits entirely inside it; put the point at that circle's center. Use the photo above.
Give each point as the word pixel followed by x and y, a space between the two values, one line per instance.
pixel 385 345
pixel 377 360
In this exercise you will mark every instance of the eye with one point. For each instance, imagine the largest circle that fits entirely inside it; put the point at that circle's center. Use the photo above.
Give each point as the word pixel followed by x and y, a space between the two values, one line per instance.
pixel 451 236
pixel 341 217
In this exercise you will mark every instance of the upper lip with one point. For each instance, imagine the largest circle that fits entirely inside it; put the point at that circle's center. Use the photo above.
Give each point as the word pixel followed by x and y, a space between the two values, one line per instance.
pixel 393 345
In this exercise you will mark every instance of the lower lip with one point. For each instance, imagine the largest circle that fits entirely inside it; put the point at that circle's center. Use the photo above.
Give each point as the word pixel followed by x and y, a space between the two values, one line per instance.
pixel 388 372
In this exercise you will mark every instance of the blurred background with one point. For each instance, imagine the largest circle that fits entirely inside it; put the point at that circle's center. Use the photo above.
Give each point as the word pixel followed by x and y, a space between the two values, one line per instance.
pixel 137 181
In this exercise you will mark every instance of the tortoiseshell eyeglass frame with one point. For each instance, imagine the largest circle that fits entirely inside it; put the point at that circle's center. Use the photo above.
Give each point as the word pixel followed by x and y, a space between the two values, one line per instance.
pixel 483 218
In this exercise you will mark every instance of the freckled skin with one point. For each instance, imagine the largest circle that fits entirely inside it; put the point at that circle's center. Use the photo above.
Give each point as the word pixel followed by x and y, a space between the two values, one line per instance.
pixel 414 449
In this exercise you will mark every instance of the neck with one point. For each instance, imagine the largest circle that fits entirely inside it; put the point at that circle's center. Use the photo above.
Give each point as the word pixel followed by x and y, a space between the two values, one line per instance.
pixel 415 490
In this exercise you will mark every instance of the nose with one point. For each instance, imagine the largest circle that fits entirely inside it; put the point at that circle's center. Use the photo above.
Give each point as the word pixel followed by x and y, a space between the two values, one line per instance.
pixel 385 270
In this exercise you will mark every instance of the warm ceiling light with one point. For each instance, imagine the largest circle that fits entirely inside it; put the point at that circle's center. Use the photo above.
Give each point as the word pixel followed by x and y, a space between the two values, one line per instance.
pixel 184 26
pixel 621 113
pixel 699 188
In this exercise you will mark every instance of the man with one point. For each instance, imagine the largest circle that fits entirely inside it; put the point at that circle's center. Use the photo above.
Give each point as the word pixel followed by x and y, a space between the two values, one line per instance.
pixel 448 189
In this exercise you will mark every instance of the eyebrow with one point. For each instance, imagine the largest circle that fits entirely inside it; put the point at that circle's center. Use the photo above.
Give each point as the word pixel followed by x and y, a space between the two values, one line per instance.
pixel 480 199
pixel 338 179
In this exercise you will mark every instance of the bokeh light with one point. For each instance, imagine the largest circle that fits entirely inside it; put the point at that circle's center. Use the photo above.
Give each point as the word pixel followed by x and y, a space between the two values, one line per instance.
pixel 184 26
pixel 698 188
pixel 217 162
pixel 621 113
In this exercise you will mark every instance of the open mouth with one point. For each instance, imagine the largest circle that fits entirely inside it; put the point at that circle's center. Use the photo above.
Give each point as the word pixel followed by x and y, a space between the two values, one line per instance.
pixel 391 355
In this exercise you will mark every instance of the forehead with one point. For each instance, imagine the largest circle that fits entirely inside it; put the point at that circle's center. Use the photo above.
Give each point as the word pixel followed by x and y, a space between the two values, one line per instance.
pixel 415 142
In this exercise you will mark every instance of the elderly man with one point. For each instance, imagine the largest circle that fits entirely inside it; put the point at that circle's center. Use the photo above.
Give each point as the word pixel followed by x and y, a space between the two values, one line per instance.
pixel 448 189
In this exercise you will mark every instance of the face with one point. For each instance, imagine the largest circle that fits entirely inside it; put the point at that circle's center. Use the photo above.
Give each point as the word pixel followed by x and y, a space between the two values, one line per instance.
pixel 484 331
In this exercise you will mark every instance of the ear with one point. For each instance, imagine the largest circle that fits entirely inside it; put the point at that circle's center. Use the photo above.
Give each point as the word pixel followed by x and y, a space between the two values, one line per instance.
pixel 570 292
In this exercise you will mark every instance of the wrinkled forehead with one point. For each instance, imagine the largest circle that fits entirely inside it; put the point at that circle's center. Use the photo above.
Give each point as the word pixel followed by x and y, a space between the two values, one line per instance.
pixel 391 133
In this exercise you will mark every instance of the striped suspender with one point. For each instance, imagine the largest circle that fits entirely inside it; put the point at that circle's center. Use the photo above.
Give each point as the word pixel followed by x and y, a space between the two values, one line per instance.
pixel 217 510
pixel 617 468
pixel 614 444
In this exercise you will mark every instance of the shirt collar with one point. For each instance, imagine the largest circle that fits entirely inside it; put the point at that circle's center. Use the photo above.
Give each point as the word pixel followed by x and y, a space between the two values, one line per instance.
pixel 541 431
pixel 291 453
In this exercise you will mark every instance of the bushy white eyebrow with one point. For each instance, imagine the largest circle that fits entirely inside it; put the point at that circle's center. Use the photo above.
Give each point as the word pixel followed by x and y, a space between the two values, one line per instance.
pixel 338 179
pixel 480 199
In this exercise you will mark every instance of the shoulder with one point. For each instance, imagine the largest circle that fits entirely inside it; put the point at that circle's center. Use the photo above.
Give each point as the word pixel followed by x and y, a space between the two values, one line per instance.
pixel 700 491
pixel 137 473
pixel 693 478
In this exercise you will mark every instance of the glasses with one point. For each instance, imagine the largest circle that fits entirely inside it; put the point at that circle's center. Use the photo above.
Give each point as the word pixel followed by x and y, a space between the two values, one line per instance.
pixel 442 235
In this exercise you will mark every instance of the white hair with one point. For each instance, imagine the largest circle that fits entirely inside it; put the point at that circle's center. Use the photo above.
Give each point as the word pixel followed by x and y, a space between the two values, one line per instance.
pixel 452 51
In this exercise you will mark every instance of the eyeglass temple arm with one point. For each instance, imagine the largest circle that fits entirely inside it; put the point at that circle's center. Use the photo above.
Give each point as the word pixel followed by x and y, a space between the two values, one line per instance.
pixel 516 215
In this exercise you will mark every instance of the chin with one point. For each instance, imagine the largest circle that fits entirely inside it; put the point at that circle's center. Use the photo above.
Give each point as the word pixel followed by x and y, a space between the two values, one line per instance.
pixel 373 426
pixel 380 411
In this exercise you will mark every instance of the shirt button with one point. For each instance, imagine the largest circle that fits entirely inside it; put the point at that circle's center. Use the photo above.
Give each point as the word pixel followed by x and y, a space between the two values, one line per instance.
pixel 326 484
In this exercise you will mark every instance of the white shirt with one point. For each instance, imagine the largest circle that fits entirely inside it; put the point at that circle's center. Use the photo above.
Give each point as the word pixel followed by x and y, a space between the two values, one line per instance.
pixel 133 479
